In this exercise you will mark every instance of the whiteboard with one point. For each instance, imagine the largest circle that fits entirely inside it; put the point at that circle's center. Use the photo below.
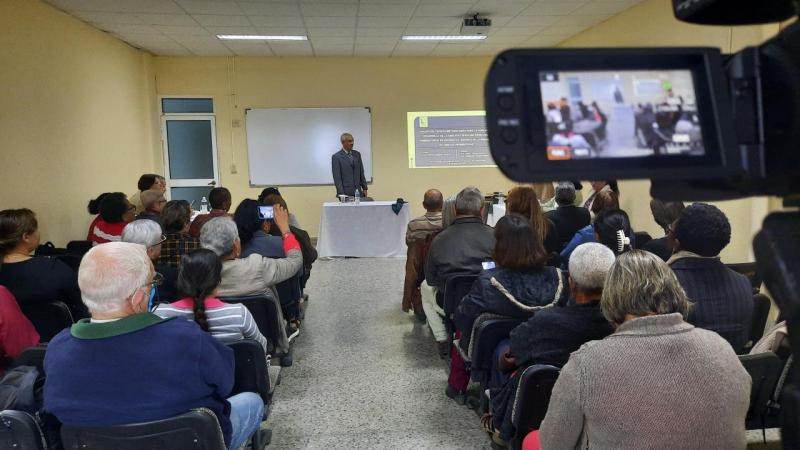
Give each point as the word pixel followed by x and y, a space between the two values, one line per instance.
pixel 293 146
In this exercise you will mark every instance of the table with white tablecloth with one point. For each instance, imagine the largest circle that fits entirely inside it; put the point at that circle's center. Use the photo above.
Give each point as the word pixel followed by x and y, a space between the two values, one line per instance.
pixel 367 229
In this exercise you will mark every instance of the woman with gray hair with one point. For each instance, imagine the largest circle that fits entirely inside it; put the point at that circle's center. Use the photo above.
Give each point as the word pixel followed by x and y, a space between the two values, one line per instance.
pixel 553 333
pixel 657 382
pixel 147 232
pixel 256 274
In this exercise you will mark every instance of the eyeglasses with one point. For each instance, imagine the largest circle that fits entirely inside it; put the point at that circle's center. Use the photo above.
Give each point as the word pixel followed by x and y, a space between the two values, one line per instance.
pixel 160 241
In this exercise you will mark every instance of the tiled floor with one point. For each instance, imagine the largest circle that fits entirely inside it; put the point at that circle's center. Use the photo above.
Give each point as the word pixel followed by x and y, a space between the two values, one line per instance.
pixel 365 374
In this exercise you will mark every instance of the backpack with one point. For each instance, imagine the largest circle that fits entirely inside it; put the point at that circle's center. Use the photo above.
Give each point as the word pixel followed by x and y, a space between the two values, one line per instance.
pixel 21 389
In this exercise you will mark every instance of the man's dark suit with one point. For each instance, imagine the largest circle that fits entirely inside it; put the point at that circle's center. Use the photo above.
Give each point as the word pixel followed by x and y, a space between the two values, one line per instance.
pixel 568 220
pixel 348 173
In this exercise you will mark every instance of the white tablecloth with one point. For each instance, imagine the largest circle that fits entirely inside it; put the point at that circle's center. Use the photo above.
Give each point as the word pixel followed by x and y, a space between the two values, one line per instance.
pixel 498 211
pixel 369 229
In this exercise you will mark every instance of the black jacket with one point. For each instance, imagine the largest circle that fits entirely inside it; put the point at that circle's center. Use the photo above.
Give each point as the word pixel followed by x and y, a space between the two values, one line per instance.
pixel 723 299
pixel 459 248
pixel 568 220
pixel 348 174
pixel 658 247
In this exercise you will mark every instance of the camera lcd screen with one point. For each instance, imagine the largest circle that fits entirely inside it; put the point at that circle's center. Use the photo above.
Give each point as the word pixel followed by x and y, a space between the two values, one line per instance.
pixel 265 212
pixel 620 114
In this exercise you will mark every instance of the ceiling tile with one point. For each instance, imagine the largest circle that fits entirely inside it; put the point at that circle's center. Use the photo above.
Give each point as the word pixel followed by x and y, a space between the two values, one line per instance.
pixel 500 21
pixel 330 22
pixel 386 32
pixel 167 19
pixel 382 22
pixel 195 30
pixel 328 9
pixel 169 50
pixel 506 40
pixel 581 21
pixel 270 9
pixel 513 31
pixel 553 7
pixel 282 31
pixel 561 30
pixel 222 21
pixel 107 17
pixel 490 8
pixel 331 32
pixel 328 1
pixel 332 42
pixel 277 21
pixel 604 7
pixel 373 51
pixel 291 49
pixel 208 7
pixel 125 28
pixel 249 48
pixel 386 10
pixel 542 41
pixel 122 6
pixel 430 31
pixel 434 22
pixel 377 40
pixel 231 30
pixel 534 22
pixel 144 39
pixel 443 10
pixel 209 50
pixel 333 51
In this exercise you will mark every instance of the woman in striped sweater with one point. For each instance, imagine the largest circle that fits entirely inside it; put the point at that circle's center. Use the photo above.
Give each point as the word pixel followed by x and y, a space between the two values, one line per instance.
pixel 199 276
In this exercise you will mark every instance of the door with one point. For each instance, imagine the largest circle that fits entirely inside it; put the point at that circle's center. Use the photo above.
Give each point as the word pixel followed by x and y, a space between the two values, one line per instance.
pixel 190 156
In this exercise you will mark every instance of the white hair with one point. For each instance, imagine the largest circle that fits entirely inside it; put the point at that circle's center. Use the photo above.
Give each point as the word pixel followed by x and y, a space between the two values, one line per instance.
pixel 589 264
pixel 219 235
pixel 341 138
pixel 111 273
pixel 469 201
pixel 143 231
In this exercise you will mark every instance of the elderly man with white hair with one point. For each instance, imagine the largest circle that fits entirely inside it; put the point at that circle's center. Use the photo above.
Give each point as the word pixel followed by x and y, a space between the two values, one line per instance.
pixel 552 334
pixel 148 233
pixel 256 274
pixel 127 365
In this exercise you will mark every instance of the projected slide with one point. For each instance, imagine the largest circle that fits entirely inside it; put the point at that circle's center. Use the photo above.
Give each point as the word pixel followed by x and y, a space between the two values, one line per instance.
pixel 448 139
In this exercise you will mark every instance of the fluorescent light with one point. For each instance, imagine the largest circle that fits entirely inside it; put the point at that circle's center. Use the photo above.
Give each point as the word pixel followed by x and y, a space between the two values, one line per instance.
pixel 253 37
pixel 457 37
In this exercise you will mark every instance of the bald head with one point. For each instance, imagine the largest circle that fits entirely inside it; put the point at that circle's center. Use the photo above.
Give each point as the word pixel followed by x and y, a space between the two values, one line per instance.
pixel 433 200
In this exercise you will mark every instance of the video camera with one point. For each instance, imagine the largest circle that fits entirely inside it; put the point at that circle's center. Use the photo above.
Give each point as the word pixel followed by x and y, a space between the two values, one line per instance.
pixel 700 124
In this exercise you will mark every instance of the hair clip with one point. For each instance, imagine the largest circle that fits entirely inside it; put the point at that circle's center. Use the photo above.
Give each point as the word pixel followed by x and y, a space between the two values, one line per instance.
pixel 622 241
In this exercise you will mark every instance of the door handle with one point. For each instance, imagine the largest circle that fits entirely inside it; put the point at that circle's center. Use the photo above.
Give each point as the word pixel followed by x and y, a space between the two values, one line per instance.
pixel 213 183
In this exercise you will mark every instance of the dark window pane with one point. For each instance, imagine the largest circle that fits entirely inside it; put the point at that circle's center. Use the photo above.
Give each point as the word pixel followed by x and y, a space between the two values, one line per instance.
pixel 190 149
pixel 187 105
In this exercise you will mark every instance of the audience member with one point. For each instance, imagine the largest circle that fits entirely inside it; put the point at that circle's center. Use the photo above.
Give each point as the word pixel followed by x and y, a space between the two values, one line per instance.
pixel 126 365
pixel 254 232
pixel 200 274
pixel 458 249
pixel 115 211
pixel 448 211
pixel 665 214
pixel 254 275
pixel 16 331
pixel 266 192
pixel 148 181
pixel 148 233
pixel 553 333
pixel 520 285
pixel 598 187
pixel 567 218
pixel 175 218
pixel 522 200
pixel 419 233
pixel 545 192
pixel 153 202
pixel 723 299
pixel 612 228
pixel 603 201
pixel 219 198
pixel 656 380
pixel 34 280
pixel 308 249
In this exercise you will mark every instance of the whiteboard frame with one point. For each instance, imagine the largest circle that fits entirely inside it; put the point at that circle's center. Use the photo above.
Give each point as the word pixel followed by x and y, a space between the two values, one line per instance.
pixel 249 179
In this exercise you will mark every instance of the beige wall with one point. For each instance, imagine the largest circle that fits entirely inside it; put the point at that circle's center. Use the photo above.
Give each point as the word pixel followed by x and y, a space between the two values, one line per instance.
pixel 651 24
pixel 391 87
pixel 76 116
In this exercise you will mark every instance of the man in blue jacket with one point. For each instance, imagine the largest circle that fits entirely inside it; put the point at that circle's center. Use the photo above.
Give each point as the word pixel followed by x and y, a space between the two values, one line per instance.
pixel 127 365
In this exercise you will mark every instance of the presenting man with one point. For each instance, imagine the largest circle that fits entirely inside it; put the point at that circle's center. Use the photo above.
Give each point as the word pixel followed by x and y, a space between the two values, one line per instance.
pixel 348 169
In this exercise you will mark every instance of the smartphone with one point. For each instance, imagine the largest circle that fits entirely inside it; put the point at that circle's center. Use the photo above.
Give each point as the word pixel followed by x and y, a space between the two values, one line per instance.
pixel 265 212
pixel 488 265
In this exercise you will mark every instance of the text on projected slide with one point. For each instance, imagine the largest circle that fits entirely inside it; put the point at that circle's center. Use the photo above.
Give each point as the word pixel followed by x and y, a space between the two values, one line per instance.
pixel 448 139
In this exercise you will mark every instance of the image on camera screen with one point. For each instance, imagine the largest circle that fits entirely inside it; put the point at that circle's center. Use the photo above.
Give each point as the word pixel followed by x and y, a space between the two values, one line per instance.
pixel 620 114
